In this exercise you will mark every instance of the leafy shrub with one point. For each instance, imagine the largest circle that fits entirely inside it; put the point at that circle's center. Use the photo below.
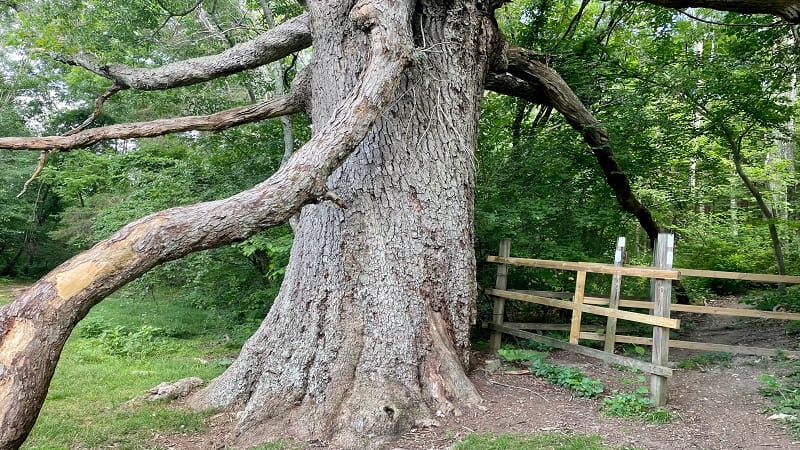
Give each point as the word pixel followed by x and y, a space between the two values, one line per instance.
pixel 519 354
pixel 118 341
pixel 634 404
pixel 785 395
pixel 786 299
pixel 568 377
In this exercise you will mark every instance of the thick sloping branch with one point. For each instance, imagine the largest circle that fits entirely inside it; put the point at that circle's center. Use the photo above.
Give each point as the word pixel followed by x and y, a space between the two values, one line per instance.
pixel 789 10
pixel 289 104
pixel 35 326
pixel 285 39
pixel 532 80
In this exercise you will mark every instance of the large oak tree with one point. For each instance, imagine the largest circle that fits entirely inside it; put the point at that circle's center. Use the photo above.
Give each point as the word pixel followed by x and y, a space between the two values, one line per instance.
pixel 369 334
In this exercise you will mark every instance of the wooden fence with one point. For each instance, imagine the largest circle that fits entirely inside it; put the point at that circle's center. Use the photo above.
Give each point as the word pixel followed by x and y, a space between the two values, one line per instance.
pixel 659 307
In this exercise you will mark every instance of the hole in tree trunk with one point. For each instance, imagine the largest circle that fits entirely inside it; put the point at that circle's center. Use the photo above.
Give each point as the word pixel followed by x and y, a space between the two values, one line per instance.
pixel 389 411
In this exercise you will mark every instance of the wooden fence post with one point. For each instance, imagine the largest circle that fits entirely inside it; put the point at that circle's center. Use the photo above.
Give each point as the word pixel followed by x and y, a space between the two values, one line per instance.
pixel 575 328
pixel 613 301
pixel 662 291
pixel 498 309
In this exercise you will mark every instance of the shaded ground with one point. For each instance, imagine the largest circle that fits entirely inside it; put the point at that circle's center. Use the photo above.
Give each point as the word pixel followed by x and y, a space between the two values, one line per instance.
pixel 718 407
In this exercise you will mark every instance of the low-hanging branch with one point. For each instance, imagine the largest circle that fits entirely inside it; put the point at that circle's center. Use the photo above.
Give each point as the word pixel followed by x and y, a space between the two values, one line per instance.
pixel 287 38
pixel 291 103
pixel 788 10
pixel 532 80
pixel 35 326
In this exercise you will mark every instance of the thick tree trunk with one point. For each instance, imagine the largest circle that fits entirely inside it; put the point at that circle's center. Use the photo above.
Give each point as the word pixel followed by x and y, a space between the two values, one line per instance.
pixel 369 334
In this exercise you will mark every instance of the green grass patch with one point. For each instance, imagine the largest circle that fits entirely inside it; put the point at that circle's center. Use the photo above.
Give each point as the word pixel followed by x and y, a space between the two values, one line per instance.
pixel 279 444
pixel 784 391
pixel 125 346
pixel 7 287
pixel 544 441
pixel 634 405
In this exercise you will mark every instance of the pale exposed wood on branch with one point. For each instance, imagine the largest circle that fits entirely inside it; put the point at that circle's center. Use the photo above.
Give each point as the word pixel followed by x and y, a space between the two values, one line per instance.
pixel 285 39
pixel 34 328
pixel 789 10
pixel 289 104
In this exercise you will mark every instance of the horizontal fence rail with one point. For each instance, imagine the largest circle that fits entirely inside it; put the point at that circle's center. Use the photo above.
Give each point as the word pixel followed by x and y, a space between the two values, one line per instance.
pixel 610 269
pixel 587 351
pixel 591 309
pixel 659 317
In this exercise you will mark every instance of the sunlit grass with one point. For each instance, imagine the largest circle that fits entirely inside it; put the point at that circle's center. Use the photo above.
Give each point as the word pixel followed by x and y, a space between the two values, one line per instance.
pixel 89 401
pixel 536 441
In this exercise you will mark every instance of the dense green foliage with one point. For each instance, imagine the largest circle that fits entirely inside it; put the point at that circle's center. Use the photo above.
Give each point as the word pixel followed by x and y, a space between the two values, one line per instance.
pixel 681 100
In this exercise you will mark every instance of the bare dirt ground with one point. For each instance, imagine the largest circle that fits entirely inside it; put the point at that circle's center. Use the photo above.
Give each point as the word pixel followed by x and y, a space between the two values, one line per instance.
pixel 717 408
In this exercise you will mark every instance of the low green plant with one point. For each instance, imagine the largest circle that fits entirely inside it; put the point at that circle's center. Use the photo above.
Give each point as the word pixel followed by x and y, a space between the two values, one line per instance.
pixel 634 404
pixel 279 444
pixel 568 377
pixel 550 441
pixel 634 350
pixel 705 360
pixel 787 299
pixel 538 346
pixel 121 342
pixel 117 353
pixel 519 354
pixel 784 391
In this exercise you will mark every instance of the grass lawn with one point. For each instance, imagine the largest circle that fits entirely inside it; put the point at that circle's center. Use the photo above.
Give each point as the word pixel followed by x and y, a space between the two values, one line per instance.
pixel 126 345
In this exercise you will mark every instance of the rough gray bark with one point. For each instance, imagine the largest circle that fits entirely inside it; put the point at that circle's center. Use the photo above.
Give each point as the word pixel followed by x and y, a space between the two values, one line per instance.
pixel 369 334
pixel 34 328
pixel 766 211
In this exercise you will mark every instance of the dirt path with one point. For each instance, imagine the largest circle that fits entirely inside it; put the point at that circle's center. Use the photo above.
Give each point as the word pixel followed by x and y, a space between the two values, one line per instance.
pixel 718 408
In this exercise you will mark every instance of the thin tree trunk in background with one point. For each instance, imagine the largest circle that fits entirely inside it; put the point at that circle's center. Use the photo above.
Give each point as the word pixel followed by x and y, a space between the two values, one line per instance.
pixel 766 211
pixel 279 87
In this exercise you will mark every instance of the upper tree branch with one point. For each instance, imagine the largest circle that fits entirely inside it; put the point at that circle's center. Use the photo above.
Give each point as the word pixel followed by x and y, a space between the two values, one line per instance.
pixel 285 39
pixel 34 328
pixel 788 10
pixel 289 104
pixel 532 80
